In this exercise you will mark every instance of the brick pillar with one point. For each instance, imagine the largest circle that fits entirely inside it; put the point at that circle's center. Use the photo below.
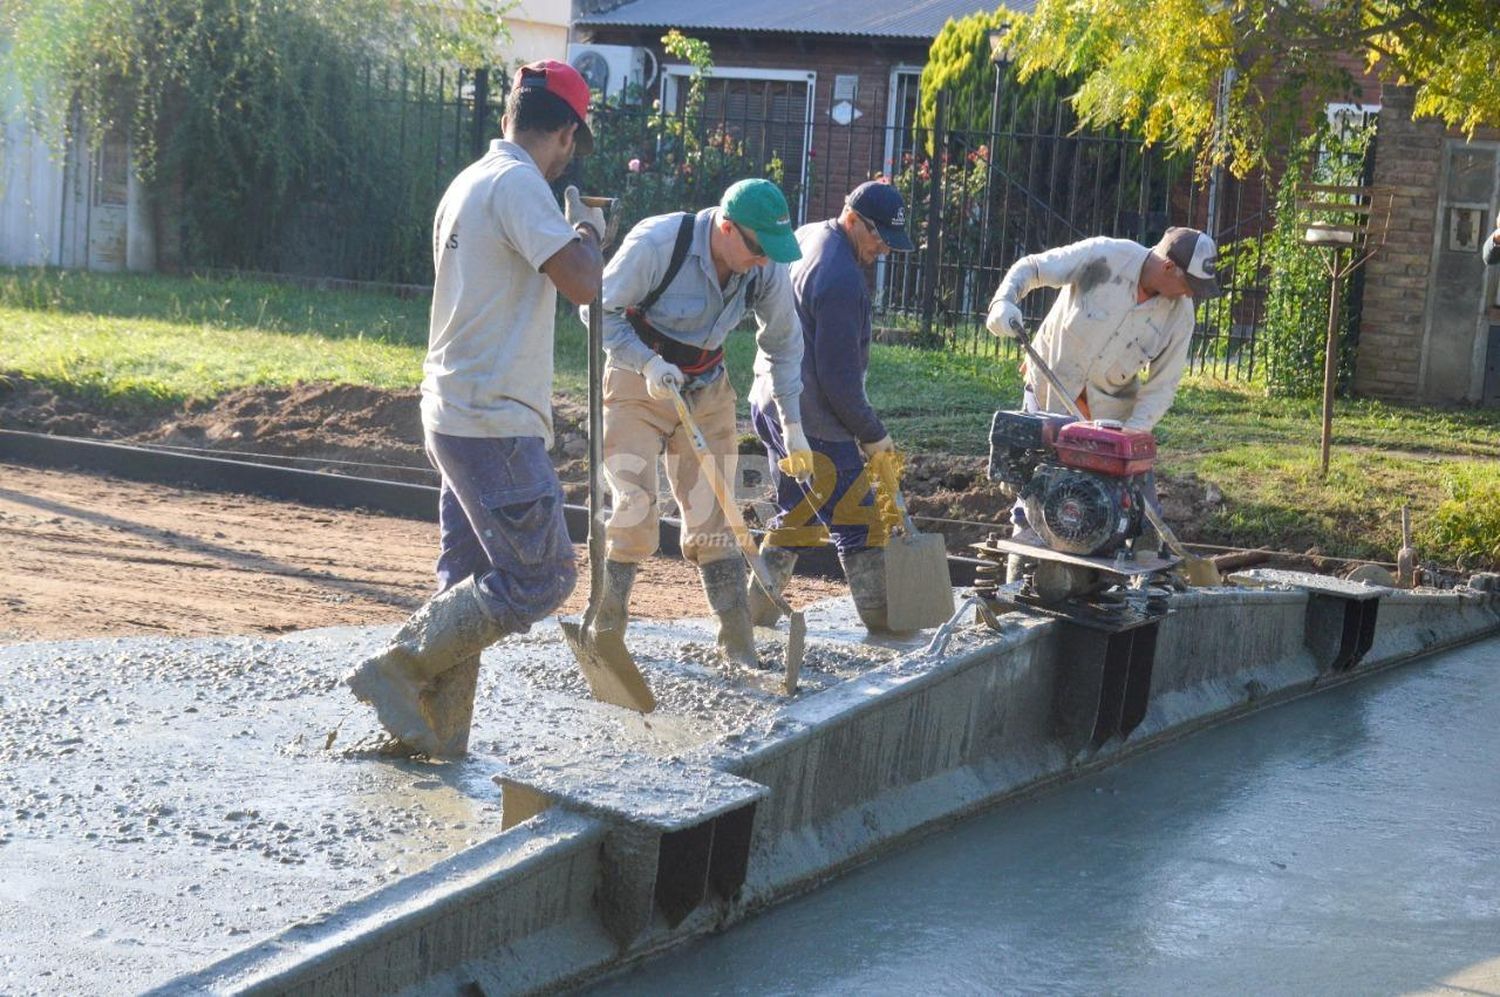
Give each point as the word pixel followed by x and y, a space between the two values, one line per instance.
pixel 1408 163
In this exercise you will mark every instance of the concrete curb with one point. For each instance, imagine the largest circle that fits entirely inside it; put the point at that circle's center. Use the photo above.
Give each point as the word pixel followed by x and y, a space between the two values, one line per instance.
pixel 902 750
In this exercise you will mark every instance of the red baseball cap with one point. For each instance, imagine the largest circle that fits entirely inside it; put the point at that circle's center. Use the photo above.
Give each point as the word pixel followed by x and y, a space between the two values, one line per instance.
pixel 564 81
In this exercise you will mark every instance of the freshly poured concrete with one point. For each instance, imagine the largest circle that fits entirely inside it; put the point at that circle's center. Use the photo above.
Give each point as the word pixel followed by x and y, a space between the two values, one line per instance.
pixel 1346 843
pixel 172 816
pixel 165 803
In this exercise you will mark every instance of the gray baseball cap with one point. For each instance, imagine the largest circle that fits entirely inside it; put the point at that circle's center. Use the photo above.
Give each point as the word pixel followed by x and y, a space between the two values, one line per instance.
pixel 1195 255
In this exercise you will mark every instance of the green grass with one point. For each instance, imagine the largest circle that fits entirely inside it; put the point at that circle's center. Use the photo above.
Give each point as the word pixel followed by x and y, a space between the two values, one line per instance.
pixel 152 343
pixel 139 343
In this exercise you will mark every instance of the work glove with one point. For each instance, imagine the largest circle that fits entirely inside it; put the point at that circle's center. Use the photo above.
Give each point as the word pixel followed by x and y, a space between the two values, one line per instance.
pixel 798 462
pixel 579 213
pixel 1004 319
pixel 882 445
pixel 884 471
pixel 662 378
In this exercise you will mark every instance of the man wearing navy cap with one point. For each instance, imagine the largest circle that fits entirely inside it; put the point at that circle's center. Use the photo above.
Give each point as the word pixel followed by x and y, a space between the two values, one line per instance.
pixel 833 304
pixel 501 251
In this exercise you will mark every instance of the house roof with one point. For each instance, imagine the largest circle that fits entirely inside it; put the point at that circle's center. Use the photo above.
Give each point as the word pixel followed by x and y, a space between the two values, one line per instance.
pixel 913 19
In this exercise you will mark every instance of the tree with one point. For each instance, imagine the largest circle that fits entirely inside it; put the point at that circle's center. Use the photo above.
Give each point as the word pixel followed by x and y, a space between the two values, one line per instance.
pixel 1162 68
pixel 258 118
pixel 143 64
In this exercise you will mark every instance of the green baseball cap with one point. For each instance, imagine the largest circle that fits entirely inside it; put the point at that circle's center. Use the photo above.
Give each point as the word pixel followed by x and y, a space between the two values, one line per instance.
pixel 760 207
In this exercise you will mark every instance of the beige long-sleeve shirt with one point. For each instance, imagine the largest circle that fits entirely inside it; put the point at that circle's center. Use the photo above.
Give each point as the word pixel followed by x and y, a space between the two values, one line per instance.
pixel 1097 338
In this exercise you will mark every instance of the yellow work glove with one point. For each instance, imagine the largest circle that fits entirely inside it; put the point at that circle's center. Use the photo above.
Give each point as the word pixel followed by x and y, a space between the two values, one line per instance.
pixel 884 469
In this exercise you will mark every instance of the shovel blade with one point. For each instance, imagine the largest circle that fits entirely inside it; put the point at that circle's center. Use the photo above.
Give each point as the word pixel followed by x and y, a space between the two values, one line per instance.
pixel 796 647
pixel 608 667
pixel 918 592
pixel 1201 572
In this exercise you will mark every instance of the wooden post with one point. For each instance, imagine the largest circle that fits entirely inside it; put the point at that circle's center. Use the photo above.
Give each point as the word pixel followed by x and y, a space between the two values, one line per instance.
pixel 1331 357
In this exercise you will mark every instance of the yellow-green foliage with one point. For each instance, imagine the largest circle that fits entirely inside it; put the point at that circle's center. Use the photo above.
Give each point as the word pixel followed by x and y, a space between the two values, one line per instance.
pixel 1467 522
pixel 958 63
pixel 1156 67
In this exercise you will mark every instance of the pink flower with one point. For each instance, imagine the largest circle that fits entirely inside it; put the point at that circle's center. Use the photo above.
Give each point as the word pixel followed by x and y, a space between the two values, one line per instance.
pixel 634 166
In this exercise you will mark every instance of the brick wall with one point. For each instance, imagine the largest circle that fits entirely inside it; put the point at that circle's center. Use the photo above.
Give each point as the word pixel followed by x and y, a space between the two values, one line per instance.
pixel 843 156
pixel 1408 163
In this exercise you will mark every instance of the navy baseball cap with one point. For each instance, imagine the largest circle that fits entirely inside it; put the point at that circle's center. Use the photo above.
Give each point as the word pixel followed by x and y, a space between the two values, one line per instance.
pixel 882 204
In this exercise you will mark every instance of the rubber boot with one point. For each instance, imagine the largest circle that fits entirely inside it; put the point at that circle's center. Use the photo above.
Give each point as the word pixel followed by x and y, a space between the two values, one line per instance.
pixel 449 630
pixel 780 561
pixel 612 608
pixel 724 584
pixel 449 701
pixel 865 571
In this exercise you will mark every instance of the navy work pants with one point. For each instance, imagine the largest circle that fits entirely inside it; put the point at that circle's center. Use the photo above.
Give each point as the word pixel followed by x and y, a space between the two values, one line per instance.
pixel 500 515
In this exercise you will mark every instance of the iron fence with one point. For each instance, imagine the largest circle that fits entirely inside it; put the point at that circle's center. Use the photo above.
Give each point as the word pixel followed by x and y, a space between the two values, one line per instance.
pixel 978 198
pixel 364 212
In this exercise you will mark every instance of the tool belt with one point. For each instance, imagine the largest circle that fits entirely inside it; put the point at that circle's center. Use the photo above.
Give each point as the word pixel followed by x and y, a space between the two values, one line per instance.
pixel 691 360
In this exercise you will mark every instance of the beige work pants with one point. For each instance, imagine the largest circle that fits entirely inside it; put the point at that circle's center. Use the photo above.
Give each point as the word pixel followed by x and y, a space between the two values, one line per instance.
pixel 637 430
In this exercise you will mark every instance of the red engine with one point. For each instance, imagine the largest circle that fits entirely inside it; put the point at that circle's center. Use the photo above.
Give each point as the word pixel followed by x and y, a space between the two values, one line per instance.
pixel 1080 483
pixel 1106 449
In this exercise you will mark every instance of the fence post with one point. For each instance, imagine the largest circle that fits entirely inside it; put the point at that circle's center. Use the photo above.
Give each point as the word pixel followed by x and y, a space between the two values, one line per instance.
pixel 934 218
pixel 481 112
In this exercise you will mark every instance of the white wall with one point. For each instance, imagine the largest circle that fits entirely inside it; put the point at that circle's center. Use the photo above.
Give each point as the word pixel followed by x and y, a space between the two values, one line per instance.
pixel 538 30
pixel 31 188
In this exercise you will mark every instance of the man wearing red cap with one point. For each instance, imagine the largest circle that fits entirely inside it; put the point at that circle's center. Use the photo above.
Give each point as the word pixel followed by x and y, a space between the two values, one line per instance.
pixel 502 251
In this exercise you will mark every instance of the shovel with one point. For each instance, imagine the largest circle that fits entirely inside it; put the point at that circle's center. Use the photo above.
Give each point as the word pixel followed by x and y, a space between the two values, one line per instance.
pixel 607 664
pixel 796 643
pixel 1200 571
pixel 918 590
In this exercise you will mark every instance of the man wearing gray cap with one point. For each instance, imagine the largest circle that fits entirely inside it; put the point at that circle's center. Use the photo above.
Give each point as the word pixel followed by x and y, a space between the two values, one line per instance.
pixel 1123 310
pixel 833 306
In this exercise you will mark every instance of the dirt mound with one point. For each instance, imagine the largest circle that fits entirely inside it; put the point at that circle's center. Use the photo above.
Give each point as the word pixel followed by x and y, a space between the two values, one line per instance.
pixel 345 428
pixel 353 429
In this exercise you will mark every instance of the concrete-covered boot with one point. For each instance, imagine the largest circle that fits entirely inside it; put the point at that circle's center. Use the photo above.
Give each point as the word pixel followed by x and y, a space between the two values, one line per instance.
pixel 612 608
pixel 449 630
pixel 449 701
pixel 780 561
pixel 865 571
pixel 724 584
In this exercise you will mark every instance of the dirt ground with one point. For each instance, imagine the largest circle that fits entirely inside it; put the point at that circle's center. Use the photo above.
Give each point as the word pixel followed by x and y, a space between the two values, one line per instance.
pixel 87 556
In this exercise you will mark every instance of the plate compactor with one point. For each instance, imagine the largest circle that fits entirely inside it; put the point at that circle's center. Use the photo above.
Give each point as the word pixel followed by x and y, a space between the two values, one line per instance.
pixel 1086 545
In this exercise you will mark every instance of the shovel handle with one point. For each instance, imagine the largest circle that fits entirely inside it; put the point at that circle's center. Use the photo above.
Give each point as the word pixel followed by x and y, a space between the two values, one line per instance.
pixel 731 511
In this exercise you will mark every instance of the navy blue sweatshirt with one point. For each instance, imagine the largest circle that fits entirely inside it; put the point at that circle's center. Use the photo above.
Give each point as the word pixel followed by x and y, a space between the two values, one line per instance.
pixel 833 305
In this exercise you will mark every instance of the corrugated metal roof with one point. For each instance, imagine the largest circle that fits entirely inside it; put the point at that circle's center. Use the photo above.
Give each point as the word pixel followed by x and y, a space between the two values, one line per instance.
pixel 916 19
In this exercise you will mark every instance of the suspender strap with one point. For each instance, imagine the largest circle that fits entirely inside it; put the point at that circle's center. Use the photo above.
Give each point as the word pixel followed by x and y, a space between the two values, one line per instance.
pixel 679 254
pixel 692 360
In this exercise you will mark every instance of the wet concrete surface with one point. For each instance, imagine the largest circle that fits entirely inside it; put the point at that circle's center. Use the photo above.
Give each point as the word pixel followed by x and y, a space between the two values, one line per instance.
pixel 165 802
pixel 1347 842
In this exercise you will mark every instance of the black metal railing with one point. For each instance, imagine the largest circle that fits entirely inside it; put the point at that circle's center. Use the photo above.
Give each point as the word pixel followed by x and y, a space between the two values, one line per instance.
pixel 978 198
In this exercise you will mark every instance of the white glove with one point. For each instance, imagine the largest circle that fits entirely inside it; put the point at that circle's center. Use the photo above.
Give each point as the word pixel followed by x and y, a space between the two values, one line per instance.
pixel 798 461
pixel 882 445
pixel 662 378
pixel 579 213
pixel 1004 318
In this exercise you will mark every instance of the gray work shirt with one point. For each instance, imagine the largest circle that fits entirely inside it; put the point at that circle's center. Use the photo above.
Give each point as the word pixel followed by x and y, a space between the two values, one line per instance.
pixel 695 310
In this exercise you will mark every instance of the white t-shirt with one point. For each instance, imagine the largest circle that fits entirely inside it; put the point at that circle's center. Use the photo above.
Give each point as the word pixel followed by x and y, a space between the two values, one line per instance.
pixel 488 370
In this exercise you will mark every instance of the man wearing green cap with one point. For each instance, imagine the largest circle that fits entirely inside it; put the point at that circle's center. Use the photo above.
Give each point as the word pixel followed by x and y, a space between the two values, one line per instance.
pixel 677 287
